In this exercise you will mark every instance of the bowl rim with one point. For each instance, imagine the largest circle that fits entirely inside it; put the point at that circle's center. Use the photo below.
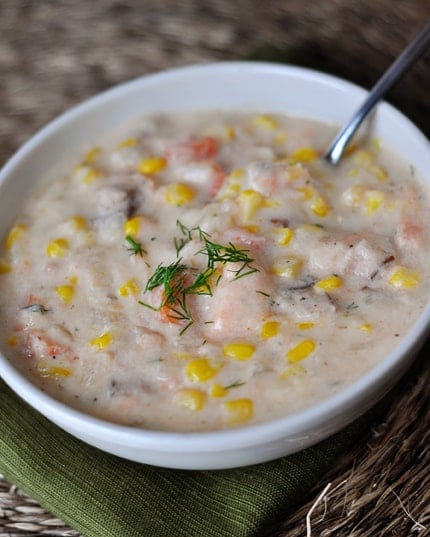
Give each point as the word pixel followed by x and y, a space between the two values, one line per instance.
pixel 248 435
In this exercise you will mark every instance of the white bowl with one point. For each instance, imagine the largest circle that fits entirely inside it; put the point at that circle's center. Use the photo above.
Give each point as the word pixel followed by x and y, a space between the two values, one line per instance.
pixel 238 85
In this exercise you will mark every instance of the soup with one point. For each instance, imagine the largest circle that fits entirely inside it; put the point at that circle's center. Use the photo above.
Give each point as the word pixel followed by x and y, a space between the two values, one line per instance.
pixel 209 270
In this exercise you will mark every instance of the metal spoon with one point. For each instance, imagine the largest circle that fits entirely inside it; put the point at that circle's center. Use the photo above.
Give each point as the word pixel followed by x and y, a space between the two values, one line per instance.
pixel 411 53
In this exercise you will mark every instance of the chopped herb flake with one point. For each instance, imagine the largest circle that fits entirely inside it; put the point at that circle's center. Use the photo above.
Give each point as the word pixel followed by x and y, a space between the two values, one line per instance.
pixel 351 307
pixel 36 308
pixel 235 384
pixel 135 247
pixel 263 293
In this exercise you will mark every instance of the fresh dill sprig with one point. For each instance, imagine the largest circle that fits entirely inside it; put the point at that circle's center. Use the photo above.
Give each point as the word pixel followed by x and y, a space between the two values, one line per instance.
pixel 179 244
pixel 135 247
pixel 235 384
pixel 172 279
pixel 217 253
pixel 178 280
pixel 188 236
pixel 166 277
pixel 201 285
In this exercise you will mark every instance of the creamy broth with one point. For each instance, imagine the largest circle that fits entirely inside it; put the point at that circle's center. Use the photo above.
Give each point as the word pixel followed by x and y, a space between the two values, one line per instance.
pixel 209 270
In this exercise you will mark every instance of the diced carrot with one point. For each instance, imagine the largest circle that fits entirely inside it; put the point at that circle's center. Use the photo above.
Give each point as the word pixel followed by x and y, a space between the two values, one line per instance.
pixel 168 316
pixel 218 179
pixel 54 347
pixel 203 148
pixel 40 344
pixel 410 231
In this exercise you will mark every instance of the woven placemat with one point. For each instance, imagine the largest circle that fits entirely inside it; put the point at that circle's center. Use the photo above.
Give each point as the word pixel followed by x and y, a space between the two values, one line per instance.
pixel 55 53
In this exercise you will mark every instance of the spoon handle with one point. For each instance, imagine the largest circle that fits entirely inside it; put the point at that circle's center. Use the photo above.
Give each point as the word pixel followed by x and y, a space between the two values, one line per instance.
pixel 409 55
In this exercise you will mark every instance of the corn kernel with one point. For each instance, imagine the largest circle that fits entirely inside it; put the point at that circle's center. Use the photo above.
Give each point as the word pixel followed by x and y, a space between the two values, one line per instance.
pixel 301 351
pixel 218 391
pixel 65 292
pixel 90 175
pixel 44 370
pixel 380 173
pixel 305 326
pixel 281 137
pixel 132 226
pixel 353 172
pixel 230 190
pixel 130 287
pixel 265 121
pixel 252 228
pixel 311 228
pixel 237 173
pixel 14 234
pixel 128 142
pixel 331 282
pixel 151 165
pixel 239 410
pixel 4 267
pixel 239 351
pixel 12 341
pixel 374 199
pixel 79 222
pixel 319 206
pixel 179 194
pixel 286 234
pixel 250 202
pixel 92 154
pixel 230 133
pixel 57 248
pixel 200 370
pixel 304 154
pixel 270 202
pixel 364 158
pixel 293 173
pixel 288 267
pixel 270 329
pixel 292 371
pixel 350 148
pixel 102 341
pixel 191 399
pixel 57 371
pixel 307 191
pixel 403 277
pixel 366 327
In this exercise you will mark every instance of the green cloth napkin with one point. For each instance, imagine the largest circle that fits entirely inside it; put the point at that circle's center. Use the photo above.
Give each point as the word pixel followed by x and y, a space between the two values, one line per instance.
pixel 101 495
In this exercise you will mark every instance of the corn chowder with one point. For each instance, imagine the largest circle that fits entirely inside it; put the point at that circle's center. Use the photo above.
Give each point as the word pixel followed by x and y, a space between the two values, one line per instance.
pixel 209 270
